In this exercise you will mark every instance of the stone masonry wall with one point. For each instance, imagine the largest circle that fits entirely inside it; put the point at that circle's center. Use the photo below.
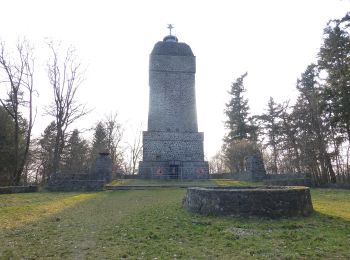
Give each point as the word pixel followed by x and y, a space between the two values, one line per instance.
pixel 172 99
pixel 165 146
pixel 165 170
pixel 172 63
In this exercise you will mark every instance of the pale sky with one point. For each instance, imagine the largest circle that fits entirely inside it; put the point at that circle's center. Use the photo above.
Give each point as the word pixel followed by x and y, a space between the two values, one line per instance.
pixel 273 41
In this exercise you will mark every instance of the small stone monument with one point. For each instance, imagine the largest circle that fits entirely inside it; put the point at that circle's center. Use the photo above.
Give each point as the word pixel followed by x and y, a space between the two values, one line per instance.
pixel 254 165
pixel 89 181
pixel 103 167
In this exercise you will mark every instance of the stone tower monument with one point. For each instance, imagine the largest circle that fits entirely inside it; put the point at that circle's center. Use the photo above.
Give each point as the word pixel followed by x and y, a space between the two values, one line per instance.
pixel 172 145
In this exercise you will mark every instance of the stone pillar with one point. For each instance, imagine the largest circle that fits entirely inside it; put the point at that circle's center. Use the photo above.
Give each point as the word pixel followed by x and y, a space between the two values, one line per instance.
pixel 255 167
pixel 103 167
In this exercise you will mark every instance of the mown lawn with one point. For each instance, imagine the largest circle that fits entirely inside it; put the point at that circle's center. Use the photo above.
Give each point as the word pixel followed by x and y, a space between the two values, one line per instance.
pixel 151 224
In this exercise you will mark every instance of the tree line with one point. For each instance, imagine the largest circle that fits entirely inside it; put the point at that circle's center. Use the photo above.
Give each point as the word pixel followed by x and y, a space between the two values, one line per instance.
pixel 310 136
pixel 59 148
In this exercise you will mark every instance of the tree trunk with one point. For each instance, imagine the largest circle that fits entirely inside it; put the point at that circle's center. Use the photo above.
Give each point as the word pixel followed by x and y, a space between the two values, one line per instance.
pixel 16 173
pixel 56 155
pixel 333 178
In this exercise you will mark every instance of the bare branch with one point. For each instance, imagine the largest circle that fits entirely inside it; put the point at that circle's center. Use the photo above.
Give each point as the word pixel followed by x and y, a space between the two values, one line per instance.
pixel 64 78
pixel 19 77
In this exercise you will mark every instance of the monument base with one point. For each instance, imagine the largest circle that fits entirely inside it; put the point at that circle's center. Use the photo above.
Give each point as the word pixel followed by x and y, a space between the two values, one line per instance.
pixel 174 170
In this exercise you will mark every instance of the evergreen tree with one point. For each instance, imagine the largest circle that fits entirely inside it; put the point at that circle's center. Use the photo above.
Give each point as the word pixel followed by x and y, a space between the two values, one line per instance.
pixel 77 154
pixel 289 144
pixel 271 126
pixel 237 112
pixel 100 141
pixel 334 59
pixel 240 140
pixel 46 148
pixel 7 159
pixel 312 127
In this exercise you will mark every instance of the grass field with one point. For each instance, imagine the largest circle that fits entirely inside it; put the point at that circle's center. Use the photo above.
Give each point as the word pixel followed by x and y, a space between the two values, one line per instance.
pixel 151 224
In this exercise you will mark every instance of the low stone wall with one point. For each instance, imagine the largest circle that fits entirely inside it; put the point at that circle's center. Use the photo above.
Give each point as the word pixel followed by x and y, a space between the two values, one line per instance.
pixel 63 184
pixel 238 176
pixel 290 179
pixel 273 202
pixel 18 189
pixel 245 176
pixel 336 186
pixel 289 182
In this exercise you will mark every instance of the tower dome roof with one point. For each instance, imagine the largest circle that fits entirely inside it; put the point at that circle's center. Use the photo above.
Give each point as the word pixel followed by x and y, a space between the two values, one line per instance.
pixel 170 46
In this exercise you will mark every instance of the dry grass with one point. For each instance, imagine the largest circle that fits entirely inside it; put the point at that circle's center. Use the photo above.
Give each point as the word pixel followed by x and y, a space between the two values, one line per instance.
pixel 20 209
pixel 151 224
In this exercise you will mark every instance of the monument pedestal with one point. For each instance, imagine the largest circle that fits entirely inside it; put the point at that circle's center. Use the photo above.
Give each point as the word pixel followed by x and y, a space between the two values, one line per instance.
pixel 173 155
pixel 167 170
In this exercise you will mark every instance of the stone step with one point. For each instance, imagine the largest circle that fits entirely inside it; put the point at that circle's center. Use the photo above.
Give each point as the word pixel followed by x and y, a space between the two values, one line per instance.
pixel 143 187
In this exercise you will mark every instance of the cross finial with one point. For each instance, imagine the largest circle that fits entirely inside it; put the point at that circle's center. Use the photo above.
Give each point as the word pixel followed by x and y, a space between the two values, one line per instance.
pixel 170 27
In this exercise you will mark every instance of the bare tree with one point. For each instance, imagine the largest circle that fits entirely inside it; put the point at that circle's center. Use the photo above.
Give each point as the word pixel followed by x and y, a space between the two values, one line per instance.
pixel 18 77
pixel 135 149
pixel 65 78
pixel 114 133
pixel 235 153
pixel 217 163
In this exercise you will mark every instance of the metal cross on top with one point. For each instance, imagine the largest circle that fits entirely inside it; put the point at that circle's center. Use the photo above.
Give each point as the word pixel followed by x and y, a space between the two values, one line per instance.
pixel 170 27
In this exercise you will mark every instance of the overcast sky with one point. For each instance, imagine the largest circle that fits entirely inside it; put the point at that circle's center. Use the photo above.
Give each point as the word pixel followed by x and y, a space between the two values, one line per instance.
pixel 273 41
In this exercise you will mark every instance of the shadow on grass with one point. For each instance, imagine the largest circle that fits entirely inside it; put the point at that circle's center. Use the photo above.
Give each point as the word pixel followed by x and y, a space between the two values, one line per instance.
pixel 77 230
pixel 21 209
pixel 152 224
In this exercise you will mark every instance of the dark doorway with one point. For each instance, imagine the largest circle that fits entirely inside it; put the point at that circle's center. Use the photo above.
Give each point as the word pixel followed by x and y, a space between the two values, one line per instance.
pixel 174 172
